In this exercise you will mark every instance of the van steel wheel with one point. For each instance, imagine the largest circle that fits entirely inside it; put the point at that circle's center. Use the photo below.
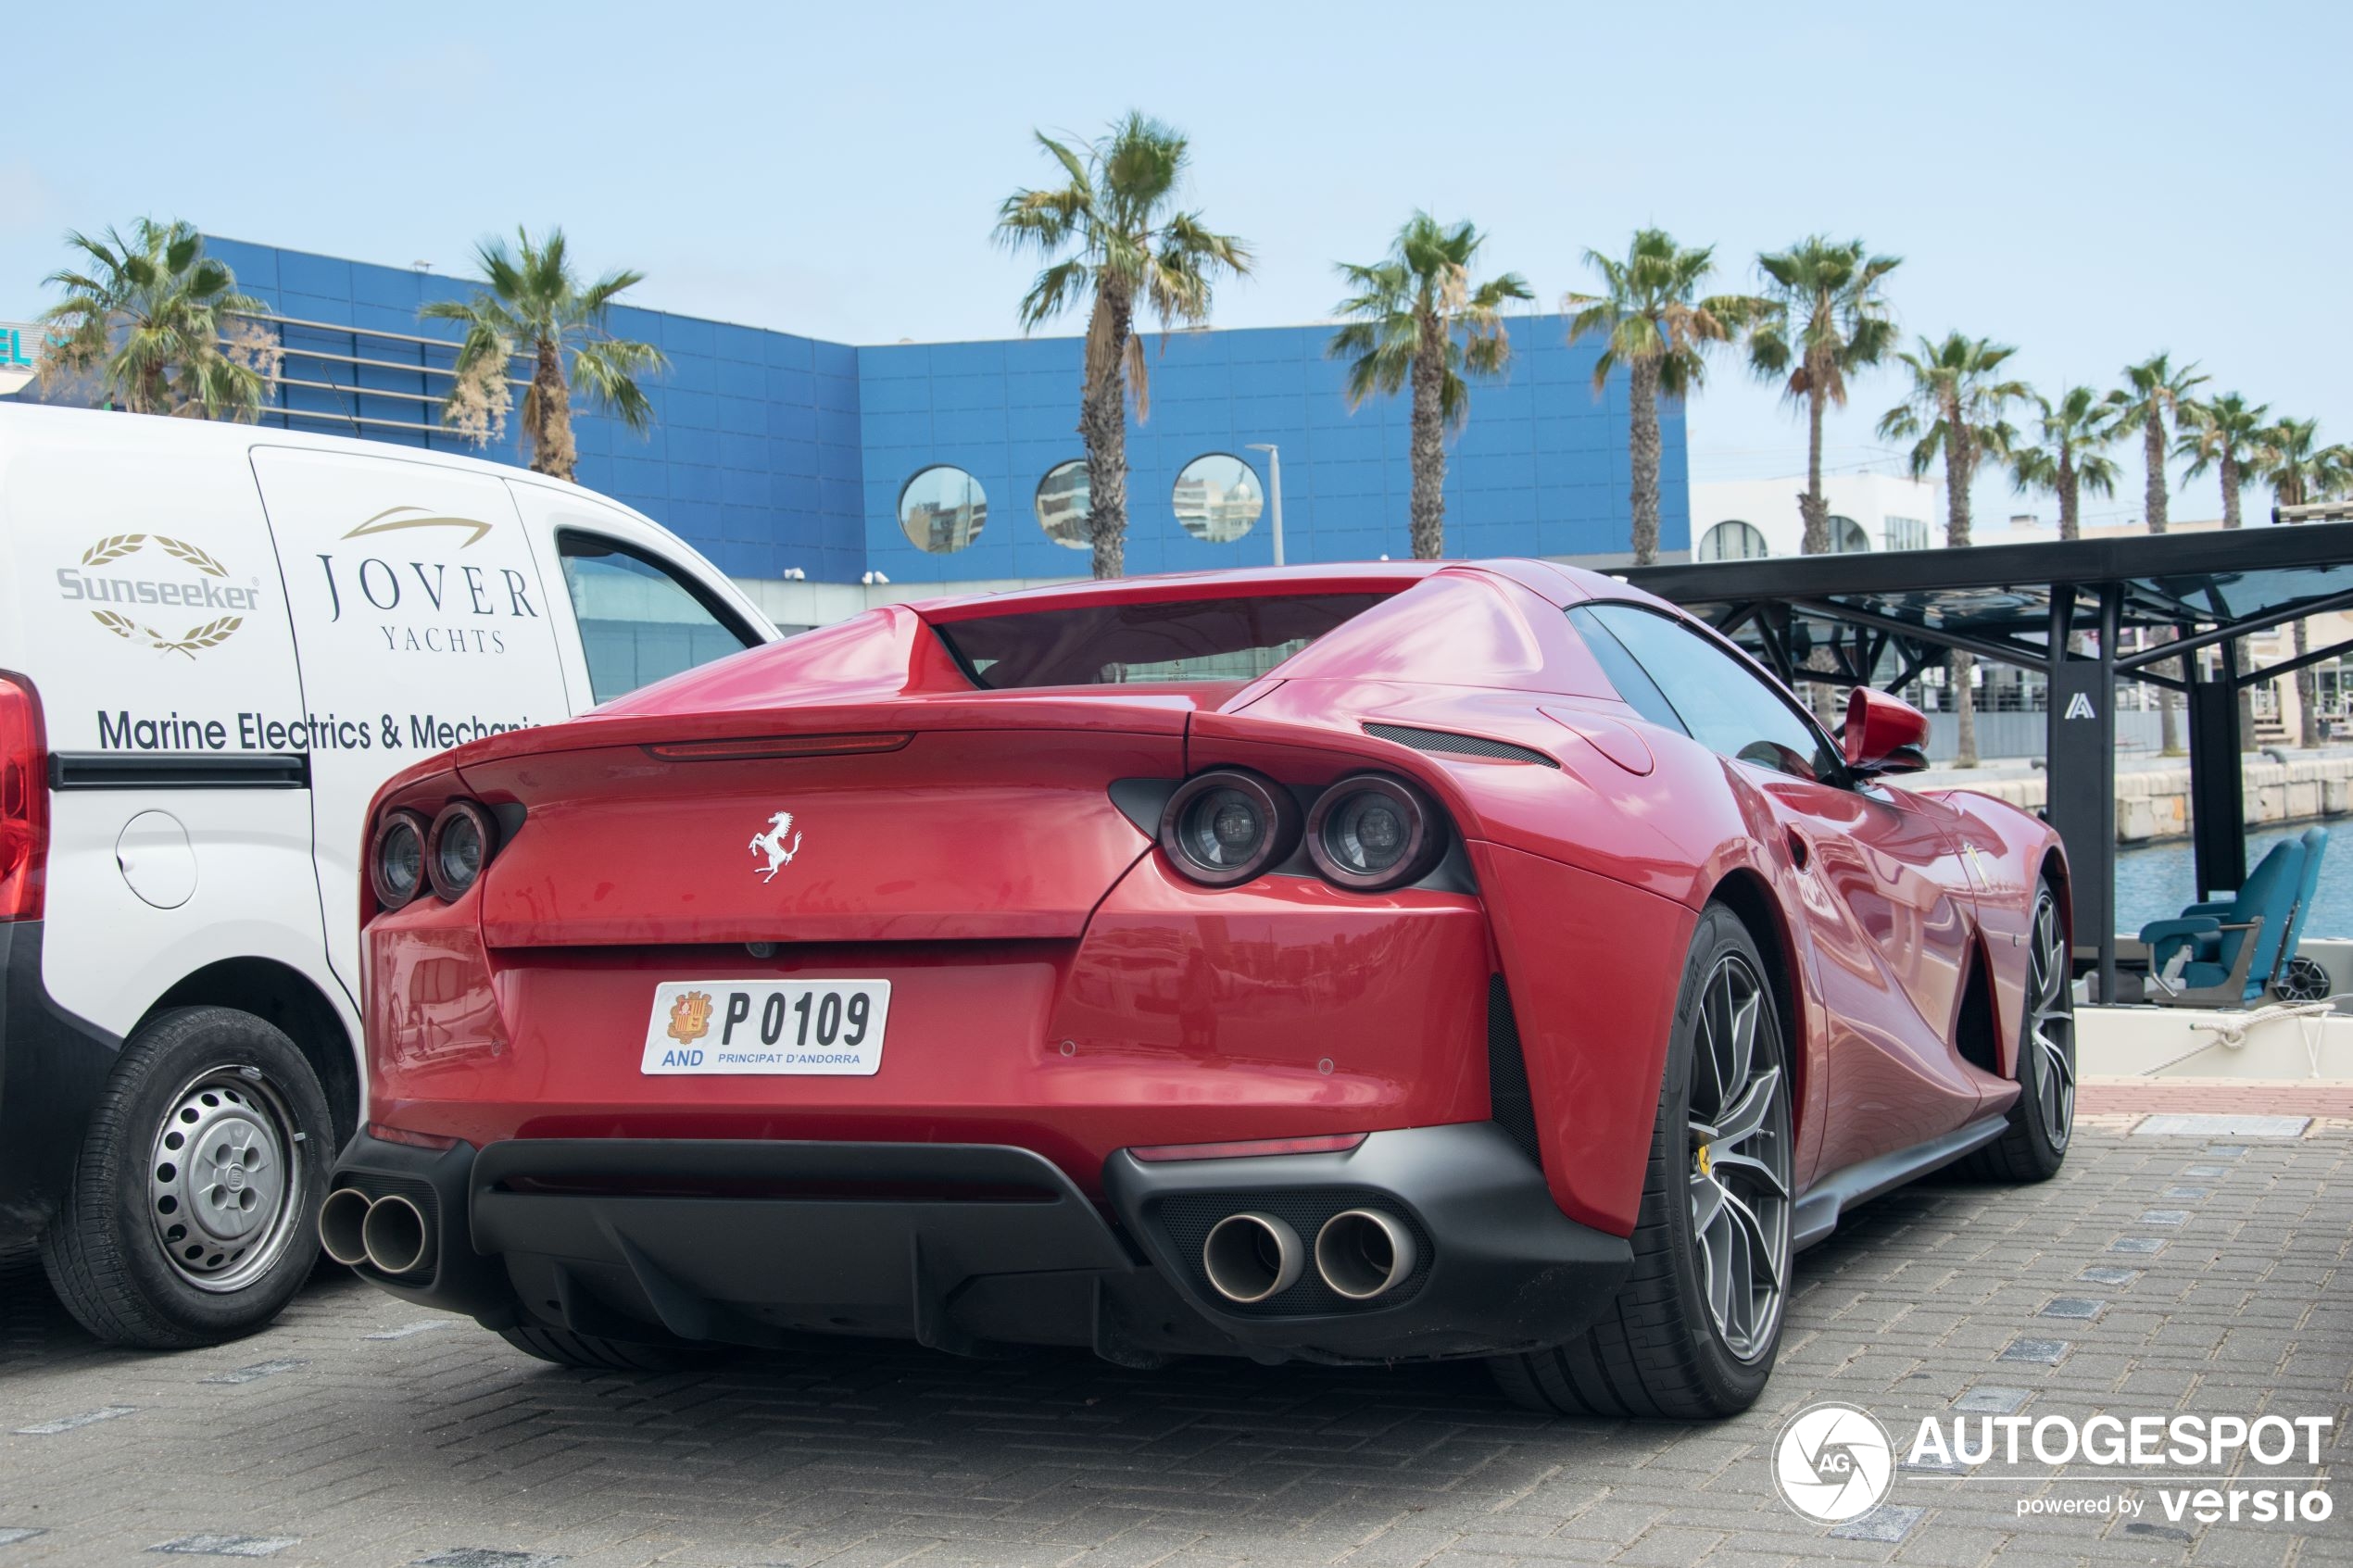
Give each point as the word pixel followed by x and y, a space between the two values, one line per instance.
pixel 224 1195
pixel 191 1211
pixel 1692 1333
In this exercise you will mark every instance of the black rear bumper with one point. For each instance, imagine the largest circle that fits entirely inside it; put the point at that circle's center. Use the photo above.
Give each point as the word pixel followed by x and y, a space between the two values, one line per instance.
pixel 965 1247
pixel 53 1066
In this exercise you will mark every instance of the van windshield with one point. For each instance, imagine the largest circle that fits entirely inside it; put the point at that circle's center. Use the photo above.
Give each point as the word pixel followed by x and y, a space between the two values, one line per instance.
pixel 1230 639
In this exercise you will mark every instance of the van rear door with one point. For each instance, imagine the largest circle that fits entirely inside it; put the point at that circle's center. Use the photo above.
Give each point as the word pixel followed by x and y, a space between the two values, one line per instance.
pixel 139 593
pixel 421 621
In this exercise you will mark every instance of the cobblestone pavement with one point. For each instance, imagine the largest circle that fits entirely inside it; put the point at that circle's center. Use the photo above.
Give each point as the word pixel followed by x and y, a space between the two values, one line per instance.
pixel 2157 1274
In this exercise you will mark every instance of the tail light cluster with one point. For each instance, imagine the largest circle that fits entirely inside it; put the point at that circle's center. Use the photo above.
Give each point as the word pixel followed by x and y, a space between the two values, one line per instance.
pixel 1368 833
pixel 407 854
pixel 24 800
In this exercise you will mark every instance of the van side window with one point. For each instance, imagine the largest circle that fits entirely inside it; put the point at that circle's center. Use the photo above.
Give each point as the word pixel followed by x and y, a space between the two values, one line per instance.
pixel 640 621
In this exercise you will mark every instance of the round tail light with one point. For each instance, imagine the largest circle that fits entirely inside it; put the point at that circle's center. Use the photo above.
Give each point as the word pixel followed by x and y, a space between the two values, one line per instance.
pixel 1225 827
pixel 462 840
pixel 1371 832
pixel 396 858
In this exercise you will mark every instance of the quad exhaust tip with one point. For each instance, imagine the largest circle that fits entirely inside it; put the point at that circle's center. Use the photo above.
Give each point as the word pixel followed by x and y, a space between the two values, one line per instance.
pixel 341 1221
pixel 1362 1253
pixel 389 1233
pixel 1250 1257
pixel 393 1235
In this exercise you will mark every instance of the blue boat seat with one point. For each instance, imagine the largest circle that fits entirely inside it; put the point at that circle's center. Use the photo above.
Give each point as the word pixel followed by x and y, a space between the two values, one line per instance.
pixel 2224 952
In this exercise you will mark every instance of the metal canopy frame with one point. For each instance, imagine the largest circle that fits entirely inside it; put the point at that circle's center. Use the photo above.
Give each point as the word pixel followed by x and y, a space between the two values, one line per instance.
pixel 2059 609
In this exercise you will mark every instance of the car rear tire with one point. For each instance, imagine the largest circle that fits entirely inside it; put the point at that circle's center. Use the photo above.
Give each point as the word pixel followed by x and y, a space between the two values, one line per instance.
pixel 192 1214
pixel 1693 1331
pixel 588 1352
pixel 2033 1144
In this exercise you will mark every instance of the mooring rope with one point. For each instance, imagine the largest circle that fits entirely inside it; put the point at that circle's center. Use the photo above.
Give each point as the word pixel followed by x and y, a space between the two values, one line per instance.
pixel 2230 1030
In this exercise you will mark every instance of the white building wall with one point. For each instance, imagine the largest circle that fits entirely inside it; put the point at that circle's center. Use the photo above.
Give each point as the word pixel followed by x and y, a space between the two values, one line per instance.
pixel 1889 511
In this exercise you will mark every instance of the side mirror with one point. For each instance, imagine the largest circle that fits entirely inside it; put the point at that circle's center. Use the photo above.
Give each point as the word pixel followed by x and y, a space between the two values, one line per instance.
pixel 1884 735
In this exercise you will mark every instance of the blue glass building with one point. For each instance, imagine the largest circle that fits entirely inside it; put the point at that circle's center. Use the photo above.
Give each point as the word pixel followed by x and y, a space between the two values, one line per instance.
pixel 773 452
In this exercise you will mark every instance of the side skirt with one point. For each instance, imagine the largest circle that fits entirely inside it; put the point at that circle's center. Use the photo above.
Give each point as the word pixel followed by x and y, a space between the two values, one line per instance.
pixel 1818 1211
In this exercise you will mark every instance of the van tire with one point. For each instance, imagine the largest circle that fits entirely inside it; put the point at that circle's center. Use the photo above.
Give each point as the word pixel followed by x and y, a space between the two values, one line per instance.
pixel 589 1352
pixel 104 1250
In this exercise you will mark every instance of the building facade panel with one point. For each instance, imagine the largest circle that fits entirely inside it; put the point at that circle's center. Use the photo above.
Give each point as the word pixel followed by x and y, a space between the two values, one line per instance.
pixel 778 454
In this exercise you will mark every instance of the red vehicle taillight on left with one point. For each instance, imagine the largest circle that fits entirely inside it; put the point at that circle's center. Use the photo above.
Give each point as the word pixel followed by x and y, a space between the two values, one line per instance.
pixel 408 854
pixel 24 799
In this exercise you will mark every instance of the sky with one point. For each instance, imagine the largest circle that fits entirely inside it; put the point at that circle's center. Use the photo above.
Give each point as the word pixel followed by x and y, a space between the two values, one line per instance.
pixel 2090 183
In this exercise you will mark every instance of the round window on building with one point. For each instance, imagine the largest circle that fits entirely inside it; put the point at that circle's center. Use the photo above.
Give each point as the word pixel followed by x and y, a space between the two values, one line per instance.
pixel 1063 505
pixel 942 509
pixel 1217 498
pixel 1734 540
pixel 1848 537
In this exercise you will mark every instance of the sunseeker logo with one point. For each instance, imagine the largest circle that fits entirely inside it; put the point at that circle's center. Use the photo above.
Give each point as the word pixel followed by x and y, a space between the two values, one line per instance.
pixel 103 579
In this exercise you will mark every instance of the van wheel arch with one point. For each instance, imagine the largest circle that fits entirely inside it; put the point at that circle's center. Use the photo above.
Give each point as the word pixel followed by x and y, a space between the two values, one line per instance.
pixel 285 997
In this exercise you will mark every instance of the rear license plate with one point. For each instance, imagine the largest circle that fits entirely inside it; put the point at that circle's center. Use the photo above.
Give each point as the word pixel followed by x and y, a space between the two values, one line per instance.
pixel 794 1027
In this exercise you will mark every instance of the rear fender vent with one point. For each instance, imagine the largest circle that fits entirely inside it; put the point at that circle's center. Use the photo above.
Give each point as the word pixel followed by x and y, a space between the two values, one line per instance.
pixel 1459 746
pixel 1513 1109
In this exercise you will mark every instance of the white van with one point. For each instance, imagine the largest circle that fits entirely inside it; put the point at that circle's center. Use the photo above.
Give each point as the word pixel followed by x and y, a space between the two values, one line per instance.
pixel 215 641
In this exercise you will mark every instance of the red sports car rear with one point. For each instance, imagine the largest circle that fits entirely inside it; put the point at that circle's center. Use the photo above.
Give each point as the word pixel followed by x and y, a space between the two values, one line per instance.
pixel 1294 963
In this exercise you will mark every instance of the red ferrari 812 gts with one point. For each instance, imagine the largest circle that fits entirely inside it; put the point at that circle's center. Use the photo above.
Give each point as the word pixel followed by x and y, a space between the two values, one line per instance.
pixel 1345 963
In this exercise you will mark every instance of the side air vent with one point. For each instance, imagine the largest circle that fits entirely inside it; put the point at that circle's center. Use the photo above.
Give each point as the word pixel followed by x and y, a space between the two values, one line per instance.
pixel 1513 1110
pixel 1461 746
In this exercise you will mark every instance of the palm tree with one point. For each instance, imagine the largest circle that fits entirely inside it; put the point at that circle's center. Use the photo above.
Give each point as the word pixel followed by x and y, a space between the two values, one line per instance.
pixel 2071 456
pixel 2155 392
pixel 1660 330
pixel 2221 433
pixel 1416 317
pixel 2290 459
pixel 160 323
pixel 1130 246
pixel 536 305
pixel 1954 407
pixel 1827 320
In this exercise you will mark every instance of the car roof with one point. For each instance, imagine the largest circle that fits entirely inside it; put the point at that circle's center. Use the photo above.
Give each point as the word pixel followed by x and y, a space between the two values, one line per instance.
pixel 1553 580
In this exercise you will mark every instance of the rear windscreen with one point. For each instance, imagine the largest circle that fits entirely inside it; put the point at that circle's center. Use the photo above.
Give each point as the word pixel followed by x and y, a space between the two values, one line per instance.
pixel 1237 639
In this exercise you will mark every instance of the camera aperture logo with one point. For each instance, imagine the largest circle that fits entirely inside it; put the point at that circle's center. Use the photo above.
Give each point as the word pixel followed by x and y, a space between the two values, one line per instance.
pixel 1833 1463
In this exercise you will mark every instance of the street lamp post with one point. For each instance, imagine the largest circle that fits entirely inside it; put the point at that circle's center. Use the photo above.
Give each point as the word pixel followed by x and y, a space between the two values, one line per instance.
pixel 1274 484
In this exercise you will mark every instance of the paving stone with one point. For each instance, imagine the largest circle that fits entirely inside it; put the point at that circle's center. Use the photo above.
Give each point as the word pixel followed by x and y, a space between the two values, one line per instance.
pixel 255 1373
pixel 1888 1522
pixel 2051 1351
pixel 15 1533
pixel 72 1423
pixel 2166 1217
pixel 2072 1306
pixel 2144 1243
pixel 2198 1126
pixel 408 1329
pixel 226 1545
pixel 1992 1401
pixel 2102 1274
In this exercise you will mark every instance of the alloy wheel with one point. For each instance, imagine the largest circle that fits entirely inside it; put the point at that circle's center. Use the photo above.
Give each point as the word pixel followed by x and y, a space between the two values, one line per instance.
pixel 224 1192
pixel 1740 1172
pixel 2050 1024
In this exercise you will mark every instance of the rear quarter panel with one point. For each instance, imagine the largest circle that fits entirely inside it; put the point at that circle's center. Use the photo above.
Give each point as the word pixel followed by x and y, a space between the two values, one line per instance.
pixel 2012 850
